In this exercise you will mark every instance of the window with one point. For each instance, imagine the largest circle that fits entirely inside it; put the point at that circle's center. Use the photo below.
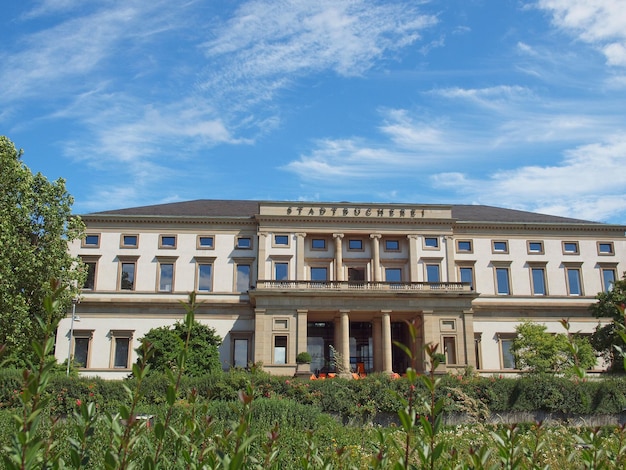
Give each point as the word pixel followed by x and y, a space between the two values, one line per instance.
pixel 356 274
pixel 574 285
pixel 281 240
pixel 121 348
pixel 280 350
pixel 503 286
pixel 166 276
pixel 82 349
pixel 206 242
pixel 318 244
pixel 392 245
pixel 608 279
pixel 466 274
pixel 605 248
pixel 355 244
pixel 243 278
pixel 281 271
pixel 167 241
pixel 240 352
pixel 500 247
pixel 507 360
pixel 244 243
pixel 129 241
pixel 393 274
pixel 432 273
pixel 281 323
pixel 90 267
pixel 535 247
pixel 464 246
pixel 538 277
pixel 127 274
pixel 449 349
pixel 431 242
pixel 205 277
pixel 92 240
pixel 570 248
pixel 319 273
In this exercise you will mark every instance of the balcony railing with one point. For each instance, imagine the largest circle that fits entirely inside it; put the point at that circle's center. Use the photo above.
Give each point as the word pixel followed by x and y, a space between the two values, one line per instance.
pixel 363 286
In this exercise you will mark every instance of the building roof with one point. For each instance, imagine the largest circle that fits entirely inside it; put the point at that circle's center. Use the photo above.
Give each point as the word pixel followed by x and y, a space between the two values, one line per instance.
pixel 248 209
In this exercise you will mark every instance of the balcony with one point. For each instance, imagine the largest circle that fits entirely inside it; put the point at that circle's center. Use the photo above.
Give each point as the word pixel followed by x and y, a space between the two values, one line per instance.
pixel 270 285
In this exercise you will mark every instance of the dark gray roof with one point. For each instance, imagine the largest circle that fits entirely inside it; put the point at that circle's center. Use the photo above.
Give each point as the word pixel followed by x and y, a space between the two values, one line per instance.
pixel 243 208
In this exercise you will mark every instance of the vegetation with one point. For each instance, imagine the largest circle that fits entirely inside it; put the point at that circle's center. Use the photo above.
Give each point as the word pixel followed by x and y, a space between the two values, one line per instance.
pixel 606 338
pixel 303 358
pixel 35 226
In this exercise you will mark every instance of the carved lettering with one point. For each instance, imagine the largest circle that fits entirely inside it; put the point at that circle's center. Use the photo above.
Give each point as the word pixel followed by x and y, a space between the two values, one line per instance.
pixel 288 210
pixel 322 211
pixel 311 211
pixel 345 211
pixel 333 210
pixel 381 212
pixel 357 211
pixel 412 212
pixel 368 212
pixel 299 209
pixel 390 212
pixel 401 212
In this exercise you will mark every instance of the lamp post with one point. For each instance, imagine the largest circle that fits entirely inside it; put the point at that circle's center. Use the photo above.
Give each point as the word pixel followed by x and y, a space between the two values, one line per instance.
pixel 69 345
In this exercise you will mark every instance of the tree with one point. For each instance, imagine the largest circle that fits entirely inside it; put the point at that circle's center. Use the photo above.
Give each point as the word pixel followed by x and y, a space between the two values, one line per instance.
pixel 606 337
pixel 538 351
pixel 36 225
pixel 168 343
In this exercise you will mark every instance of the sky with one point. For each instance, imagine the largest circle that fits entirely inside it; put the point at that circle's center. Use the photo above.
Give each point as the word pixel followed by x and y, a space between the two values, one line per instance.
pixel 511 103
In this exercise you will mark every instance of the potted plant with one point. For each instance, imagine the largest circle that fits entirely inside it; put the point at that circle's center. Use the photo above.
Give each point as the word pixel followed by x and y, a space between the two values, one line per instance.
pixel 303 361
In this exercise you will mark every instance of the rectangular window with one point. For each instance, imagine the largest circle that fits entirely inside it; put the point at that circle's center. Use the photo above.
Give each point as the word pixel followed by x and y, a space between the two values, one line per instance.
pixel 605 248
pixel 431 242
pixel 466 274
pixel 393 274
pixel 281 240
pixel 570 248
pixel 90 281
pixel 121 350
pixel 464 246
pixel 281 271
pixel 129 241
pixel 244 243
pixel 503 286
pixel 535 247
pixel 432 273
pixel 240 352
pixel 392 245
pixel 166 277
pixel 167 241
pixel 608 279
pixel 243 277
pixel 500 247
pixel 82 344
pixel 280 350
pixel 449 348
pixel 205 277
pixel 507 358
pixel 127 276
pixel 206 242
pixel 92 240
pixel 355 244
pixel 318 244
pixel 539 281
pixel 574 285
pixel 356 274
pixel 319 273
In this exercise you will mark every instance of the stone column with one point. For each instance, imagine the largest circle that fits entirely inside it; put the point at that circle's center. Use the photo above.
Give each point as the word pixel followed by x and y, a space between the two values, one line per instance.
pixel 377 343
pixel 262 338
pixel 451 276
pixel 468 337
pixel 376 255
pixel 300 256
pixel 413 257
pixel 338 256
pixel 345 339
pixel 386 337
pixel 301 330
pixel 261 261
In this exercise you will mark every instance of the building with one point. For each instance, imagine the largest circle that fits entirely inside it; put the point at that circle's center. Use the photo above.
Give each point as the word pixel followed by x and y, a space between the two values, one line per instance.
pixel 278 278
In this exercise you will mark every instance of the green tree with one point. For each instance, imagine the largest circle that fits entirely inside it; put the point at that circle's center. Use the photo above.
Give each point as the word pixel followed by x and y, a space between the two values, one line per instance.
pixel 36 225
pixel 538 351
pixel 167 344
pixel 607 337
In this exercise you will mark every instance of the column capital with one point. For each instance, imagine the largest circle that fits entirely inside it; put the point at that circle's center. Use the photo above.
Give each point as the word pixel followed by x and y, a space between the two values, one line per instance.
pixel 375 235
pixel 262 234
pixel 344 310
pixel 412 236
pixel 338 235
pixel 302 311
pixel 301 234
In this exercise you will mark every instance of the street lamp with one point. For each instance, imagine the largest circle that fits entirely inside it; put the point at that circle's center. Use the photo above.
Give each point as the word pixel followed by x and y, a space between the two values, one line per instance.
pixel 69 346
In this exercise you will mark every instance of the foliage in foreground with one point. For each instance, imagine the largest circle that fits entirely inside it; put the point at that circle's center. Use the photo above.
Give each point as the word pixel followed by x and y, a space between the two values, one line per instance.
pixel 271 432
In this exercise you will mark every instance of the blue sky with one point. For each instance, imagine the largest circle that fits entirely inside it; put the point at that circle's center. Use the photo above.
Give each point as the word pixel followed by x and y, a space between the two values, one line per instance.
pixel 513 103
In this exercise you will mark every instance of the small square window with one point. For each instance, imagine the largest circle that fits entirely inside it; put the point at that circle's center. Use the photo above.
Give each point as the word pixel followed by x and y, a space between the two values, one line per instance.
pixel 206 242
pixel 392 245
pixel 281 240
pixel 319 273
pixel 355 244
pixel 431 242
pixel 535 247
pixel 167 241
pixel 281 324
pixel 92 240
pixel 464 246
pixel 500 247
pixel 129 241
pixel 570 248
pixel 318 244
pixel 605 248
pixel 244 243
